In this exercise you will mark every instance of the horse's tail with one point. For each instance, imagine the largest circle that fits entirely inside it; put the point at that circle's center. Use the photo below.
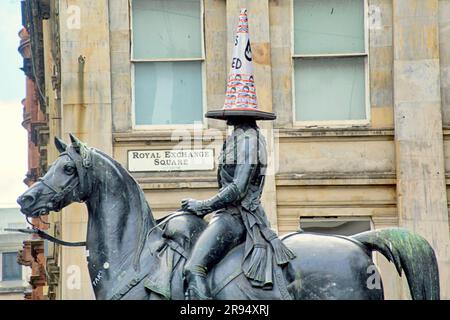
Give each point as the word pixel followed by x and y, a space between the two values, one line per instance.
pixel 409 252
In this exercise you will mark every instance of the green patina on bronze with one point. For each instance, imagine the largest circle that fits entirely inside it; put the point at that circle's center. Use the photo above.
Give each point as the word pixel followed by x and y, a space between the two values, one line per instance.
pixel 134 256
pixel 411 254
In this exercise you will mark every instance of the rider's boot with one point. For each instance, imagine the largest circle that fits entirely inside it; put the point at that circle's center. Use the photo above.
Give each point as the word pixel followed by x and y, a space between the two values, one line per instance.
pixel 197 287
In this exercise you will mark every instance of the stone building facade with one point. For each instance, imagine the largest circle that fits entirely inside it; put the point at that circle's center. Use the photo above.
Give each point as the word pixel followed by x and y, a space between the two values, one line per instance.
pixel 13 277
pixel 35 122
pixel 360 89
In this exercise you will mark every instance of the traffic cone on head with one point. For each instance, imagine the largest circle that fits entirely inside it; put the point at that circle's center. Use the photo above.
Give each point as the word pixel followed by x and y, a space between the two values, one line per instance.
pixel 240 97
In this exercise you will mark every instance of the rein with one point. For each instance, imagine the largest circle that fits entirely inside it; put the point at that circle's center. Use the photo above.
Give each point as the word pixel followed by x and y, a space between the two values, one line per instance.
pixel 136 280
pixel 179 212
pixel 83 181
pixel 46 236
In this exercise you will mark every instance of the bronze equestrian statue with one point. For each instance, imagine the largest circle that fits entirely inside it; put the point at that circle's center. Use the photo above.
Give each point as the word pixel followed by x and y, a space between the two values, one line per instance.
pixel 134 256
pixel 236 255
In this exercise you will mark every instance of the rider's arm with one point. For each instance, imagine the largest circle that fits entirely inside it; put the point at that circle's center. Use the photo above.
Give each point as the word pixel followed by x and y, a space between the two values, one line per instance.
pixel 247 150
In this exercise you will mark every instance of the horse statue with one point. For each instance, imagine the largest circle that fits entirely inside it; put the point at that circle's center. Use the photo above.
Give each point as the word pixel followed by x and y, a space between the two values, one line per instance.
pixel 133 256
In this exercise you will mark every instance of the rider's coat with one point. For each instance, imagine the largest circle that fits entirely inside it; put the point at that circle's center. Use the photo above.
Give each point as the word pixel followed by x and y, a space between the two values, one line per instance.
pixel 241 173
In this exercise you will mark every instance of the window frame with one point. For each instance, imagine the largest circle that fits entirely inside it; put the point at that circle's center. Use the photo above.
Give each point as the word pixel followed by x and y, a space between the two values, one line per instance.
pixel 332 123
pixel 133 62
pixel 2 267
pixel 337 219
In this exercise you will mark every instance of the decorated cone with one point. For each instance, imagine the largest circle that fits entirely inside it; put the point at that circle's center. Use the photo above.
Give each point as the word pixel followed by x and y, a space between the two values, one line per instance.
pixel 240 97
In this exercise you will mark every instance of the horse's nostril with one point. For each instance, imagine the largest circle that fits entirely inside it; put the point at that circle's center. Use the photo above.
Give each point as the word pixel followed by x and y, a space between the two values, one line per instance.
pixel 25 201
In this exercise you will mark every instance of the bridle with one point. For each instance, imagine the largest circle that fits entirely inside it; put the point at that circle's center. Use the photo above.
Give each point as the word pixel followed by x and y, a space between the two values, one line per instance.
pixel 83 164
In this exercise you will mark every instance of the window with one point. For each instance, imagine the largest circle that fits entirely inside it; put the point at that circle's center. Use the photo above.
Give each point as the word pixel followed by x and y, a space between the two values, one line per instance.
pixel 330 61
pixel 341 226
pixel 17 225
pixel 167 57
pixel 11 270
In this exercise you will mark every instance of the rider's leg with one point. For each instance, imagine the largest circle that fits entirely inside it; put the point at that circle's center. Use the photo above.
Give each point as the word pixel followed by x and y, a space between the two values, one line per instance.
pixel 223 233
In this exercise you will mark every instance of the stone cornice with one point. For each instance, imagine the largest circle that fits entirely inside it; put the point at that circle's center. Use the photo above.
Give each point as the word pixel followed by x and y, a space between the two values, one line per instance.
pixel 324 134
pixel 148 137
pixel 211 134
pixel 336 178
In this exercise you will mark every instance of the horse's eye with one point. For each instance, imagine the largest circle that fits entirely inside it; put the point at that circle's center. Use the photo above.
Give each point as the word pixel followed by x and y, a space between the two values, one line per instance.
pixel 69 169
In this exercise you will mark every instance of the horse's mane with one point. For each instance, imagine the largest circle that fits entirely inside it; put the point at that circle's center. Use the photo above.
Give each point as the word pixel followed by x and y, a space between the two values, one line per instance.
pixel 146 214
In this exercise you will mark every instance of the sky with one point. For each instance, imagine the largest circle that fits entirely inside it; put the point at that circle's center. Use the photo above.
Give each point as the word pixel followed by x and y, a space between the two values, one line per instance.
pixel 13 137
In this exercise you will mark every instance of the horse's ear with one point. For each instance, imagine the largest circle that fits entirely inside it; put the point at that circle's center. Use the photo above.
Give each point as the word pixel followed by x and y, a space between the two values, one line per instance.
pixel 60 145
pixel 82 149
pixel 75 141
